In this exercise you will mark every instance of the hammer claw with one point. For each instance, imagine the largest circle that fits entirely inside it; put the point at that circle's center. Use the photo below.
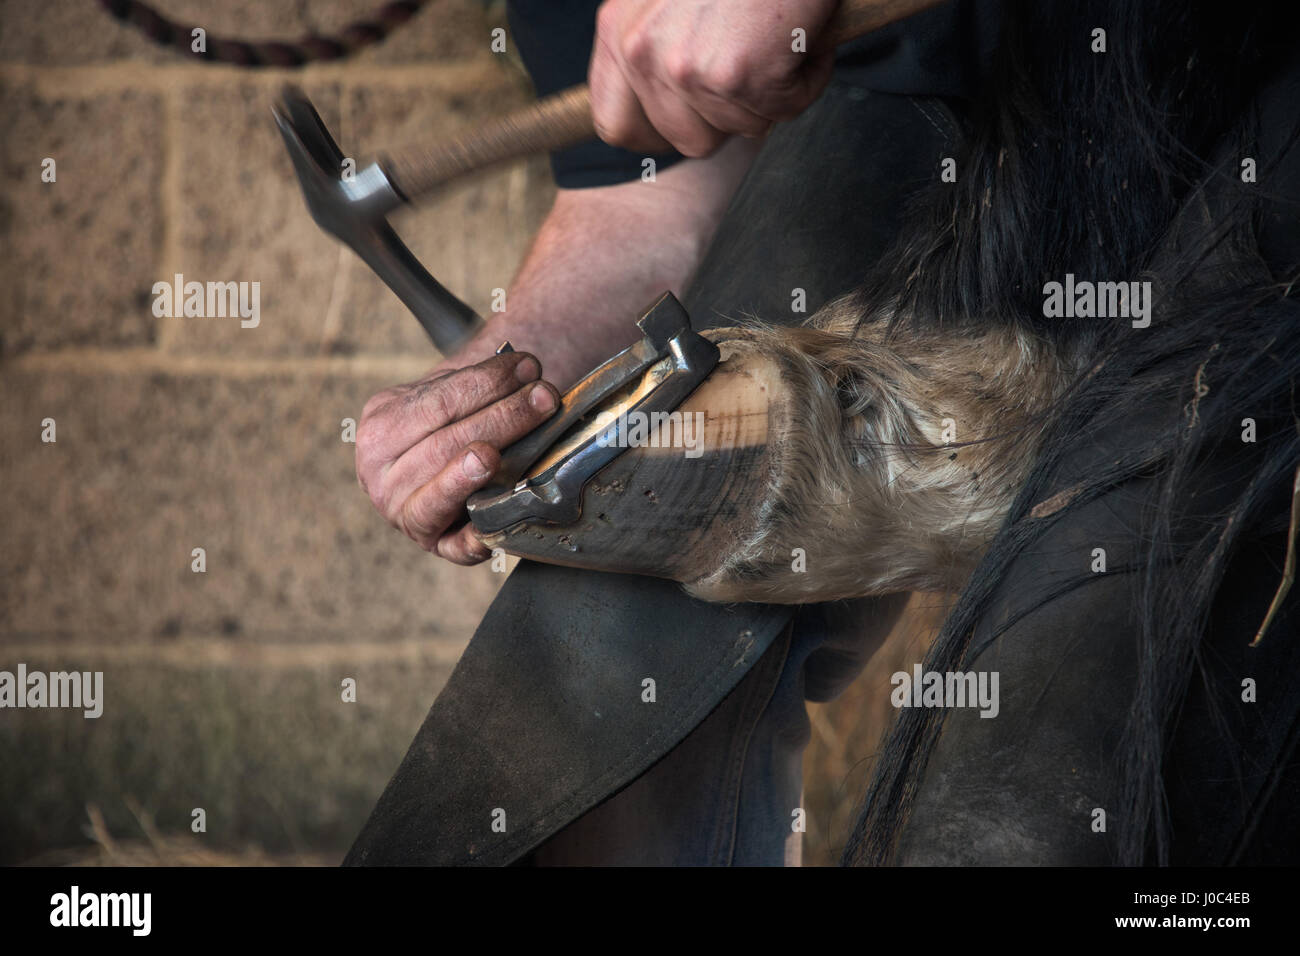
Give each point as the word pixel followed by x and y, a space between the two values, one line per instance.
pixel 353 209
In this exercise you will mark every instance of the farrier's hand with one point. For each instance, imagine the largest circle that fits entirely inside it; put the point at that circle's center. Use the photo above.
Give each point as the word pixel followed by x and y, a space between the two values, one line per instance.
pixel 691 74
pixel 423 448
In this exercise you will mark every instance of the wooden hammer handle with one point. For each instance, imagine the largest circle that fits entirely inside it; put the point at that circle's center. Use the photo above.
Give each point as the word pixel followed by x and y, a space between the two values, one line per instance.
pixel 564 119
pixel 553 122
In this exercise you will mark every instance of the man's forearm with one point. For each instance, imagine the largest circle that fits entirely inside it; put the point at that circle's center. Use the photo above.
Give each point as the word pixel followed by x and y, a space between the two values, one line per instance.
pixel 603 254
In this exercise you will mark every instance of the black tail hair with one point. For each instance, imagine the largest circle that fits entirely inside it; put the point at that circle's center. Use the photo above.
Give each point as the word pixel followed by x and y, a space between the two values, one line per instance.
pixel 1123 164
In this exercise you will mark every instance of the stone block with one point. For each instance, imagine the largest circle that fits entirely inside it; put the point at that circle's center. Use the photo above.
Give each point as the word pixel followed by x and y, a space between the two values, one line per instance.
pixel 82 251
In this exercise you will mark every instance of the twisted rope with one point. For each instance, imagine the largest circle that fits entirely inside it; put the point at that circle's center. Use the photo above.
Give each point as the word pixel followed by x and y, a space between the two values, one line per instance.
pixel 268 53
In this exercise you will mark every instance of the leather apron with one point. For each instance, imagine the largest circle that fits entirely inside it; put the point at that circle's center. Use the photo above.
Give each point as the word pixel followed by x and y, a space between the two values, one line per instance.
pixel 543 717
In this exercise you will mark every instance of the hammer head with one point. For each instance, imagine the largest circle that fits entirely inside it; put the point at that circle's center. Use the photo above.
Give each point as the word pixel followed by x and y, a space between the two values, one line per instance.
pixel 353 208
pixel 341 206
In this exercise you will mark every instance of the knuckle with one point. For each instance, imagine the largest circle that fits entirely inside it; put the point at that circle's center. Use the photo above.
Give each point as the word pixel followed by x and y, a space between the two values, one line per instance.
pixel 432 402
pixel 600 120
pixel 367 463
pixel 434 453
pixel 370 459
pixel 727 79
pixel 502 369
pixel 608 117
pixel 381 486
pixel 370 432
pixel 506 413
pixel 637 48
pixel 682 71
pixel 376 404
pixel 616 129
pixel 606 18
pixel 497 424
pixel 479 384
pixel 405 520
pixel 417 516
pixel 379 491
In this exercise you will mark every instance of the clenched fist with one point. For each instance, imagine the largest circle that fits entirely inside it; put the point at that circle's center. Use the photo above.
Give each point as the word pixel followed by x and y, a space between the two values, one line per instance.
pixel 423 448
pixel 691 74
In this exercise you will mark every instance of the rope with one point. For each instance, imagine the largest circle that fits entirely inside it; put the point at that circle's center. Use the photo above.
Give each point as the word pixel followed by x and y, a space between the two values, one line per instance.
pixel 268 53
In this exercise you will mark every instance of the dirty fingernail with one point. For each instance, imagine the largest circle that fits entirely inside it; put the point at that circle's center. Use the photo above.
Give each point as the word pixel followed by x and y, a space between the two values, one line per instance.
pixel 527 370
pixel 542 399
pixel 473 466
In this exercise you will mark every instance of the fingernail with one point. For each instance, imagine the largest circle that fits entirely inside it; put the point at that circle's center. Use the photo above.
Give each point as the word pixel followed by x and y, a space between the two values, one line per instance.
pixel 527 370
pixel 542 399
pixel 473 466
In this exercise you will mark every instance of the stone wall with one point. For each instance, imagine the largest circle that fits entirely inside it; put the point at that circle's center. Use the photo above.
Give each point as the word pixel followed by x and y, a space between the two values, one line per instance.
pixel 222 688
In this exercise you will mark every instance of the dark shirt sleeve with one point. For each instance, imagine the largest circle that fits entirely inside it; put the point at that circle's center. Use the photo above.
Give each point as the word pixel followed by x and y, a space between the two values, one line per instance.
pixel 554 38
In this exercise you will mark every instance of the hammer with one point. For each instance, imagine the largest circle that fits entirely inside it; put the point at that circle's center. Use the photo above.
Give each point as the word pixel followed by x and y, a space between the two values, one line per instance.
pixel 355 209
